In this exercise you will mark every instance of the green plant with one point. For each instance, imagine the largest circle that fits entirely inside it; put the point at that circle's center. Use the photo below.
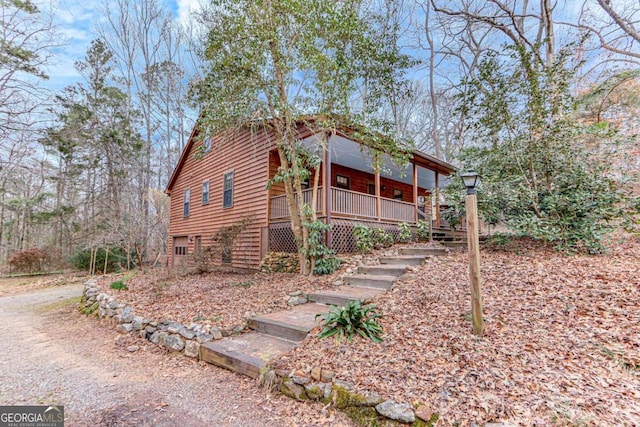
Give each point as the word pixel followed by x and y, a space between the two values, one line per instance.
pixel 381 238
pixel 116 257
pixel 404 232
pixel 364 238
pixel 351 320
pixel 327 265
pixel 119 286
pixel 423 230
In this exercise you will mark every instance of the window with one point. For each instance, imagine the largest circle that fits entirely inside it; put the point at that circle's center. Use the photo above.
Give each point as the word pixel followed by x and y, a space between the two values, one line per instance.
pixel 371 188
pixel 206 144
pixel 180 245
pixel 397 194
pixel 185 203
pixel 342 182
pixel 227 190
pixel 225 255
pixel 205 192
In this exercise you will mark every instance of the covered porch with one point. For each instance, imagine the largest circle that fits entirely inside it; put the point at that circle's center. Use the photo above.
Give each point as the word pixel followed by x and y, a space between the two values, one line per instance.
pixel 352 191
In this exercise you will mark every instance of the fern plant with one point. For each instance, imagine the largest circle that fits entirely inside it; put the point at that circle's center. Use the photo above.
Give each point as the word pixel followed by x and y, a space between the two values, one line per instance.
pixel 351 320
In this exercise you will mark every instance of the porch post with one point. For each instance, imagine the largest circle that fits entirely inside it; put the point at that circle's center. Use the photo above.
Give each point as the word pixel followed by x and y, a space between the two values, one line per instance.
pixel 437 192
pixel 326 178
pixel 415 192
pixel 378 202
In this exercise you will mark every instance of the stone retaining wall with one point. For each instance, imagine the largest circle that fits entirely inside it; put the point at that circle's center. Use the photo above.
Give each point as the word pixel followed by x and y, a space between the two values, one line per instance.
pixel 280 262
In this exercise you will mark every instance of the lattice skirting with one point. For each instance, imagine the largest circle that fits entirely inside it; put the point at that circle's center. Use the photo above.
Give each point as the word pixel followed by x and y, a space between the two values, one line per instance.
pixel 281 237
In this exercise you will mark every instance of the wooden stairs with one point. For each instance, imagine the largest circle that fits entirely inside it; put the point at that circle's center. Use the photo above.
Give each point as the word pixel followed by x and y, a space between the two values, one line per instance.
pixel 276 333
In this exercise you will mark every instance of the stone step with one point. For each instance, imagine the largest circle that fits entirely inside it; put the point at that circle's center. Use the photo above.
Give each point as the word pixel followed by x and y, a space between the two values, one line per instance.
pixel 344 294
pixel 245 354
pixel 383 270
pixel 293 324
pixel 403 260
pixel 423 251
pixel 370 281
pixel 455 244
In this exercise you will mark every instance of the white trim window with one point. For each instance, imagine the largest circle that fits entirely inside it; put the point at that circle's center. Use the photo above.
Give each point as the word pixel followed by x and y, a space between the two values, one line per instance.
pixel 205 192
pixel 186 202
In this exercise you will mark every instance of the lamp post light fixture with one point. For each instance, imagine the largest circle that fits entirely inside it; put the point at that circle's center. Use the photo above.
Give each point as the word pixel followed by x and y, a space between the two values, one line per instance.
pixel 471 180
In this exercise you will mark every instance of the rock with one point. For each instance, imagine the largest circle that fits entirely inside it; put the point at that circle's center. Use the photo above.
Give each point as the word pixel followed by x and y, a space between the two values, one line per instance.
pixel 316 373
pixel 161 338
pixel 344 384
pixel 203 338
pixel 187 334
pixel 295 293
pixel 300 377
pixel 327 376
pixel 373 399
pixel 339 282
pixel 192 349
pixel 117 318
pixel 298 300
pixel 133 348
pixel 424 412
pixel 237 330
pixel 174 342
pixel 396 411
pixel 150 329
pixel 124 328
pixel 291 389
pixel 127 315
pixel 248 315
pixel 137 323
pixel 316 391
pixel 216 332
pixel 174 328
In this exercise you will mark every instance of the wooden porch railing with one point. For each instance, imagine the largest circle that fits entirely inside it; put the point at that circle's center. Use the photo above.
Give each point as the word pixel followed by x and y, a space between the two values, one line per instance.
pixel 352 203
pixel 280 208
pixel 397 210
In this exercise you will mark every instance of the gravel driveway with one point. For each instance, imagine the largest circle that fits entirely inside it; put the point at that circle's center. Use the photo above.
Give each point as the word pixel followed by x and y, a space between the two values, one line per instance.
pixel 51 354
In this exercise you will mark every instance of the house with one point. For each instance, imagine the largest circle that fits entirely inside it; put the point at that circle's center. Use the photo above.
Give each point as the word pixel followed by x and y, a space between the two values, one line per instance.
pixel 222 179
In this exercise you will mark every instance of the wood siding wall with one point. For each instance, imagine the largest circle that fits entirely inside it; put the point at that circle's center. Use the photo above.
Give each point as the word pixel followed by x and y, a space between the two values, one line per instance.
pixel 358 181
pixel 245 154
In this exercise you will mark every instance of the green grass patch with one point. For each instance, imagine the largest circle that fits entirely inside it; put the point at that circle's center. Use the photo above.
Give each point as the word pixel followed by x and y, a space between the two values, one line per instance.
pixel 119 285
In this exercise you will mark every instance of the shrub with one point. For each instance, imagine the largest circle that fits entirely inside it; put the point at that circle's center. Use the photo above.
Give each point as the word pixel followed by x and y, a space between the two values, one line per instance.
pixel 351 320
pixel 381 238
pixel 422 230
pixel 404 232
pixel 364 238
pixel 326 265
pixel 30 261
pixel 119 286
pixel 81 259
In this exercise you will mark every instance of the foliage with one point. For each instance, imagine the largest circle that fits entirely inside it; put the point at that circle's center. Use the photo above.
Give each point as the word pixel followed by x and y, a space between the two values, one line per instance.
pixel 81 259
pixel 423 230
pixel 382 238
pixel 119 285
pixel 327 265
pixel 545 173
pixel 364 238
pixel 31 261
pixel 351 320
pixel 404 232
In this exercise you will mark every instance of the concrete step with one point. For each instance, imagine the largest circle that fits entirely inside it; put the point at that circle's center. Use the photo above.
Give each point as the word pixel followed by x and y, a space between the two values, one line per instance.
pixel 415 250
pixel 245 354
pixel 344 294
pixel 369 281
pixel 455 244
pixel 383 270
pixel 403 260
pixel 293 324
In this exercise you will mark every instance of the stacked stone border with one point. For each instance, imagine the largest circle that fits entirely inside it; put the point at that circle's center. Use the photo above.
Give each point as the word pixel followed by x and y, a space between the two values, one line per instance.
pixel 317 384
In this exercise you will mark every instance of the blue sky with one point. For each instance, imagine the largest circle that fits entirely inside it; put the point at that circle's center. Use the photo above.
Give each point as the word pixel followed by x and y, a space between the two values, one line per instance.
pixel 75 22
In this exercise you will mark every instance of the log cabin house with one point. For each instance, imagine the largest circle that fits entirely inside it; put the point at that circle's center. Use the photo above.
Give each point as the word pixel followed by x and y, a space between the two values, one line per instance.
pixel 220 180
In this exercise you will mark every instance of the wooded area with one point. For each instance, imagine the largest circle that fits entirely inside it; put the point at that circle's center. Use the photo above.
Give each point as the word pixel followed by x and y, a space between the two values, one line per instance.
pixel 541 97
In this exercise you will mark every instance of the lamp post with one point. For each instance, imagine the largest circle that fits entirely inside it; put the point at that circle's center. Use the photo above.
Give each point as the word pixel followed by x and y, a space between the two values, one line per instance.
pixel 471 180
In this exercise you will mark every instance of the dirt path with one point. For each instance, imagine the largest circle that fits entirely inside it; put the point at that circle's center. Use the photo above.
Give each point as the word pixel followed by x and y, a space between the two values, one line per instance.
pixel 51 354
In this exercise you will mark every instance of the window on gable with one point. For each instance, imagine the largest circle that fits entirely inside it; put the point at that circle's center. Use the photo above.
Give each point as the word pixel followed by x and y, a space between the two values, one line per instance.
pixel 205 192
pixel 206 144
pixel 185 203
pixel 227 190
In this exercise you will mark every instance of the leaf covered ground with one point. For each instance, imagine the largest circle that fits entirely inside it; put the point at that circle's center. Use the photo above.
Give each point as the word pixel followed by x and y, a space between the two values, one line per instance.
pixel 561 343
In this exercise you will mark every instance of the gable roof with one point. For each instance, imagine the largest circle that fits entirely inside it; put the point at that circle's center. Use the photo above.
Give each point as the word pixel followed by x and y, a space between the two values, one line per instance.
pixel 345 130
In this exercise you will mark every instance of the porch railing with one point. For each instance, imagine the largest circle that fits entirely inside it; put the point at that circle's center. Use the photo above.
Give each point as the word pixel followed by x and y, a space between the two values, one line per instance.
pixel 280 207
pixel 353 203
